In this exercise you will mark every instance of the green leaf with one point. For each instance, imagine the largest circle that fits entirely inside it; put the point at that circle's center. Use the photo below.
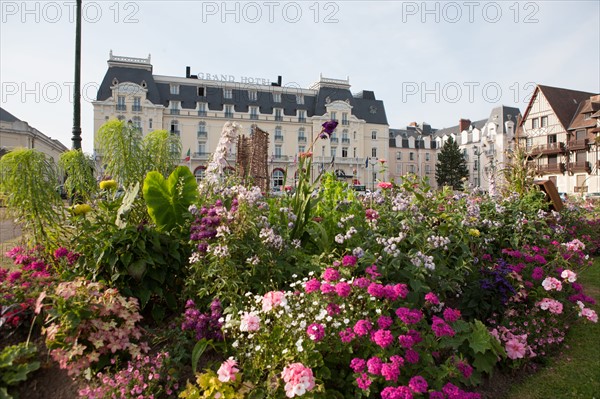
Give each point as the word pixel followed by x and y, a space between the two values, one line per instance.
pixel 168 200
pixel 197 352
pixel 137 269
pixel 479 341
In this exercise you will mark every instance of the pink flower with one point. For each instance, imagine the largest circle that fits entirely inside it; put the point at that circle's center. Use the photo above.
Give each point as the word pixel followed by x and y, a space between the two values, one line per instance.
pixel 374 365
pixel 552 305
pixel 312 286
pixel 515 349
pixel 349 260
pixel 330 274
pixel 272 300
pixel 315 332
pixel 298 379
pixel 383 338
pixel 327 288
pixel 440 328
pixel 384 184
pixel 411 356
pixel 250 322
pixel 343 289
pixel 406 341
pixel 385 322
pixel 347 335
pixel 550 283
pixel 465 368
pixel 363 381
pixel 371 214
pixel 418 384
pixel 362 327
pixel 227 371
pixel 568 275
pixel 358 365
pixel 390 371
pixel 432 298
pixel 451 315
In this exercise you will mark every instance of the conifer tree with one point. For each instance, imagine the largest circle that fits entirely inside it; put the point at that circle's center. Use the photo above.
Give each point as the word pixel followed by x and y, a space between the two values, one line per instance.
pixel 451 166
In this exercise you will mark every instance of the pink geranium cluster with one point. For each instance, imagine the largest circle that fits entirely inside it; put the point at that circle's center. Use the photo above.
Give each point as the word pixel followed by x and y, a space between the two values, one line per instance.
pixel 516 346
pixel 551 283
pixel 107 324
pixel 298 379
pixel 588 313
pixel 552 305
pixel 228 370
pixel 145 377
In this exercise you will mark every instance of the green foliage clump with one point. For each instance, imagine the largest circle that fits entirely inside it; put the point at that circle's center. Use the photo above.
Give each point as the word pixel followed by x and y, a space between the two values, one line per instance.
pixel 80 183
pixel 451 168
pixel 16 362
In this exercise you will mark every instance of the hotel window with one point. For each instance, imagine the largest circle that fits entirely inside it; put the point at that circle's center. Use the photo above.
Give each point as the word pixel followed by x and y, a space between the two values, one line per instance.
pixel 374 135
pixel 278 114
pixel 137 104
pixel 587 115
pixel 254 113
pixel 227 93
pixel 333 116
pixel 299 99
pixel 374 152
pixel 535 123
pixel 344 152
pixel 202 134
pixel 411 156
pixel 345 118
pixel 345 138
pixel 201 91
pixel 121 103
pixel 301 135
pixel 301 148
pixel 228 111
pixel 137 122
pixel 333 150
pixel 278 177
pixel 150 123
pixel 529 142
pixel 427 156
pixel 551 138
pixel 544 120
pixel 399 156
pixel 252 95
pixel 301 116
pixel 411 168
pixel 277 97
pixel 427 169
pixel 354 152
pixel 201 148
pixel 278 151
pixel 174 108
pixel 174 89
pixel 201 109
pixel 278 134
pixel 174 127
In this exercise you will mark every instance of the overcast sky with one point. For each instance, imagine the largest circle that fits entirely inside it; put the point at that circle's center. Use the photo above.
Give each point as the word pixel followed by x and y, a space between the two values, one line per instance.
pixel 433 62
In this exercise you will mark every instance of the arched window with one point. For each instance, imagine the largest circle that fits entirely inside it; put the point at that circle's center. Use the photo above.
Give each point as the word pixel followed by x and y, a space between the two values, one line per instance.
pixel 199 173
pixel 277 178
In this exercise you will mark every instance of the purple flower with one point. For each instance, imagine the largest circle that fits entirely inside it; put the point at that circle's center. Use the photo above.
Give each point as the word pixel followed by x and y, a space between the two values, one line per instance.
pixel 329 127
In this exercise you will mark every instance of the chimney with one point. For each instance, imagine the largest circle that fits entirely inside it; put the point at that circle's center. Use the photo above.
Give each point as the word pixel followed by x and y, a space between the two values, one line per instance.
pixel 463 124
pixel 278 82
pixel 187 72
pixel 413 124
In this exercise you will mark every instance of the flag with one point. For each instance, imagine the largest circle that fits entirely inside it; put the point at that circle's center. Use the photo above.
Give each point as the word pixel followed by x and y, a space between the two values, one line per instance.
pixel 367 163
pixel 187 156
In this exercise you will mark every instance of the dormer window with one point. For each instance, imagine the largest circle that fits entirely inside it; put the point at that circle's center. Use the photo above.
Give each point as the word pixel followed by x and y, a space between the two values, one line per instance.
pixel 227 93
pixel 252 95
pixel 174 89
pixel 299 99
pixel 277 97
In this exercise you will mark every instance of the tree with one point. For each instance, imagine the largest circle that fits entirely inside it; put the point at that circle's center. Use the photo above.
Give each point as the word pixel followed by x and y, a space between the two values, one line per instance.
pixel 451 167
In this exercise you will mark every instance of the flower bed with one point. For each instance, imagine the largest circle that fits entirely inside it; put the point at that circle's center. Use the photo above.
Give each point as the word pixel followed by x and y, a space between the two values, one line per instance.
pixel 319 292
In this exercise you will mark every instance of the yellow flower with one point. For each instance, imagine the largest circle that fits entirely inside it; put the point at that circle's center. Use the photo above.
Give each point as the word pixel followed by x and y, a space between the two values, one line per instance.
pixel 474 232
pixel 81 209
pixel 108 185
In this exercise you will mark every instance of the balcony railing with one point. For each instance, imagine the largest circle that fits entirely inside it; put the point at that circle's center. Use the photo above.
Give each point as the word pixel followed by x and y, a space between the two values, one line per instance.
pixel 202 112
pixel 201 155
pixel 174 111
pixel 578 144
pixel 202 134
pixel 254 116
pixel 334 140
pixel 228 115
pixel 301 139
pixel 583 166
pixel 136 108
pixel 121 107
pixel 345 122
pixel 550 148
pixel 279 118
pixel 345 141
pixel 581 189
pixel 281 158
pixel 551 168
pixel 302 120
pixel 278 137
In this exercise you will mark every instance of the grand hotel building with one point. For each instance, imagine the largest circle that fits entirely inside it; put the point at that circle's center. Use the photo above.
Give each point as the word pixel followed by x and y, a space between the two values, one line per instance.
pixel 195 109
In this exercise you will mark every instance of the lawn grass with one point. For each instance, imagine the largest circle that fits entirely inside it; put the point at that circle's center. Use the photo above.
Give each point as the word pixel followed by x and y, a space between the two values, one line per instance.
pixel 575 373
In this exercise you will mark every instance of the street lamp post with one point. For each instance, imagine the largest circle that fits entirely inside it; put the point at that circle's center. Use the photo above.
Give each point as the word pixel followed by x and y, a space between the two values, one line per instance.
pixel 77 84
pixel 477 153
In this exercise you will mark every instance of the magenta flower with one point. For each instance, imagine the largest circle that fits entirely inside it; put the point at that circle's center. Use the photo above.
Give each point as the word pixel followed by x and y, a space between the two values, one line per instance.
pixel 411 356
pixel 385 322
pixel 418 384
pixel 358 365
pixel 362 327
pixel 312 286
pixel 451 315
pixel 465 369
pixel 440 328
pixel 349 260
pixel 330 274
pixel 343 289
pixel 363 381
pixel 347 335
pixel 390 371
pixel 432 298
pixel 374 365
pixel 377 290
pixel 383 338
pixel 315 332
pixel 406 341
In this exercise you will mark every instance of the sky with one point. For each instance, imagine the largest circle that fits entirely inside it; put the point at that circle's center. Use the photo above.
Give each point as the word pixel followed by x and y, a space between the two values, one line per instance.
pixel 429 61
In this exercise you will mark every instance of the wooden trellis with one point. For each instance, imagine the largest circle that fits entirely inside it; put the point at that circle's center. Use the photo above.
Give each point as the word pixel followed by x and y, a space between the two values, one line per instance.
pixel 252 159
